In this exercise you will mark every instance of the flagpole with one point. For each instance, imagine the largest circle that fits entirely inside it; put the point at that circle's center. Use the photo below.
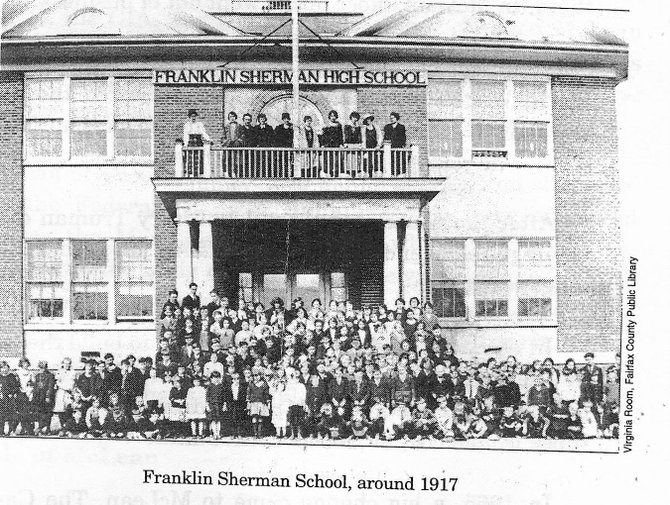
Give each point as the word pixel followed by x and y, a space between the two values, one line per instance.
pixel 296 83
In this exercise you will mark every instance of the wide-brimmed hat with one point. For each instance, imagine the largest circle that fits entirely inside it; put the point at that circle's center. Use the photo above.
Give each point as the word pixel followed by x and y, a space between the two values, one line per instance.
pixel 368 117
pixel 192 112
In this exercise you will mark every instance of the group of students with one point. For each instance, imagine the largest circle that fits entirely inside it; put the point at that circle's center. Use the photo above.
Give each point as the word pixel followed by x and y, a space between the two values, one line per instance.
pixel 324 372
pixel 359 132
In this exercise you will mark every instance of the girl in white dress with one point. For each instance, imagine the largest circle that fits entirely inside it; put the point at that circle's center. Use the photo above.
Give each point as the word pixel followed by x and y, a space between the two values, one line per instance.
pixel 196 404
pixel 280 405
pixel 64 385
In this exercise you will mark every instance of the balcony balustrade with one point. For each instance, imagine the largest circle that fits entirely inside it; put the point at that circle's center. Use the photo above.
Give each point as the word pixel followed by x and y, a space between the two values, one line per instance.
pixel 287 163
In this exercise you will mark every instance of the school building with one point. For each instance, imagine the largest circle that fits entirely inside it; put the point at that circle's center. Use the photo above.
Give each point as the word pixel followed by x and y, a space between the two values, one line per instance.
pixel 502 209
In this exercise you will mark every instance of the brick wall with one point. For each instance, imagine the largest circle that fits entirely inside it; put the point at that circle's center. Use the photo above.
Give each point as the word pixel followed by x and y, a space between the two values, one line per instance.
pixel 587 206
pixel 409 102
pixel 11 210
pixel 171 104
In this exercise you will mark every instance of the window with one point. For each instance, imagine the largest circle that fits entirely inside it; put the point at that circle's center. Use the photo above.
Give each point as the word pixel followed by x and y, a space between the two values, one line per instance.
pixel 245 286
pixel 132 117
pixel 477 279
pixel 491 299
pixel 449 299
pixel 491 257
pixel 89 280
pixel 489 118
pixel 72 280
pixel 44 118
pixel 445 109
pixel 535 259
pixel 535 299
pixel 134 280
pixel 531 122
pixel 103 117
pixel 338 287
pixel 448 273
pixel 44 280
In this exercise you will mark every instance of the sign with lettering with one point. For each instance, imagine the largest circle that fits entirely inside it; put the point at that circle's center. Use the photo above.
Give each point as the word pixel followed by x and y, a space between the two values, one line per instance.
pixel 313 77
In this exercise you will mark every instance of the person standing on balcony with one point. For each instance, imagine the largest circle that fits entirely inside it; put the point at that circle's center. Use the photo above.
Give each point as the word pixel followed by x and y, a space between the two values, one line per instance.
pixel 353 139
pixel 195 136
pixel 265 137
pixel 306 140
pixel 232 133
pixel 332 137
pixel 371 140
pixel 396 135
pixel 284 138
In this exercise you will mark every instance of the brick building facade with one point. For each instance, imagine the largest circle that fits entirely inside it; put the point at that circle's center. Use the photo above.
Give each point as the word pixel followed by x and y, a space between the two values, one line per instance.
pixel 502 209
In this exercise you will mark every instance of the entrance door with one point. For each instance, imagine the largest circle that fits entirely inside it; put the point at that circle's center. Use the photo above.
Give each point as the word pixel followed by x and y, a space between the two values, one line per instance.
pixel 308 287
pixel 274 285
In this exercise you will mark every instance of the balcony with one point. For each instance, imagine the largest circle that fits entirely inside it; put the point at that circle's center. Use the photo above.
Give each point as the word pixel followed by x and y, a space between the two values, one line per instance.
pixel 294 163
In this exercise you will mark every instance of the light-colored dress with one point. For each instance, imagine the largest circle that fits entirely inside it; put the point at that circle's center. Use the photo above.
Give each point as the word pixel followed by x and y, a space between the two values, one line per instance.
pixel 196 403
pixel 280 404
pixel 65 385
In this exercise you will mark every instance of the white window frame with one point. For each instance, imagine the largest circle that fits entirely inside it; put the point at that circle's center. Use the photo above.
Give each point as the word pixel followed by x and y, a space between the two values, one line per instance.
pixel 510 120
pixel 68 320
pixel 511 280
pixel 66 157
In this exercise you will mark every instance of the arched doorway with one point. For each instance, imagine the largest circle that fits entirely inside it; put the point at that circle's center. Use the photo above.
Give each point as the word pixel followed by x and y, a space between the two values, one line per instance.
pixel 277 106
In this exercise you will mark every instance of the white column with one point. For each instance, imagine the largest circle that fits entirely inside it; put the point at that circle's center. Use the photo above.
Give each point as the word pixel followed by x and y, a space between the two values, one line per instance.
pixel 184 265
pixel 391 264
pixel 411 262
pixel 205 259
pixel 179 158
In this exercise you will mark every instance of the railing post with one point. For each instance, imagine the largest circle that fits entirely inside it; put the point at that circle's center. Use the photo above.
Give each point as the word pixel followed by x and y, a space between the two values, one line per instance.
pixel 387 160
pixel 207 160
pixel 413 169
pixel 297 162
pixel 179 158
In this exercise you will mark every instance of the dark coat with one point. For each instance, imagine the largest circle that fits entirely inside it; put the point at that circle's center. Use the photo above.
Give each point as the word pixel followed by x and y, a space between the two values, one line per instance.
pixel 283 137
pixel 397 135
pixel 264 137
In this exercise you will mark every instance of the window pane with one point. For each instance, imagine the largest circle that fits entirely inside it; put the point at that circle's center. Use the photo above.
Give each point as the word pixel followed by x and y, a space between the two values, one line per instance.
pixel 531 100
pixel 132 138
pixel 535 259
pixel 132 98
pixel 134 279
pixel 446 139
pixel 447 259
pixel 337 279
pixel 89 261
pixel 44 98
pixel 44 261
pixel 530 139
pixel 445 99
pixel 274 285
pixel 88 100
pixel 89 302
pixel 44 138
pixel 491 258
pixel 245 280
pixel 448 301
pixel 488 99
pixel 45 300
pixel 491 299
pixel 488 135
pixel 88 139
